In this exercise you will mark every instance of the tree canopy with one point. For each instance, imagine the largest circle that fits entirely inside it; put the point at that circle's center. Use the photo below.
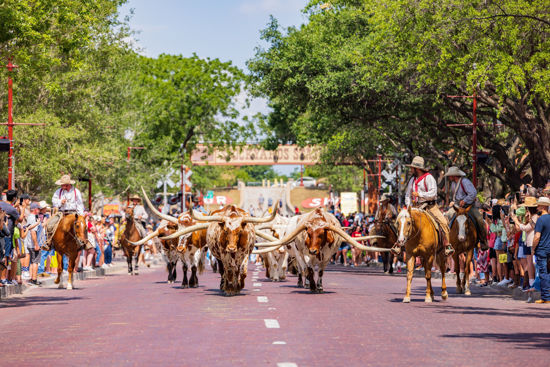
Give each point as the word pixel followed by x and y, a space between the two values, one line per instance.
pixel 371 77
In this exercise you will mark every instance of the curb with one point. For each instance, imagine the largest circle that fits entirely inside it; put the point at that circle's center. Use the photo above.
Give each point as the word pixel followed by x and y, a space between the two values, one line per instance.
pixel 119 266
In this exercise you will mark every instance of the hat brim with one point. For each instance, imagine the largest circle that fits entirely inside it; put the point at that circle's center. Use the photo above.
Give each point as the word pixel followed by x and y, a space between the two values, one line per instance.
pixel 413 166
pixel 59 182
pixel 528 206
pixel 457 174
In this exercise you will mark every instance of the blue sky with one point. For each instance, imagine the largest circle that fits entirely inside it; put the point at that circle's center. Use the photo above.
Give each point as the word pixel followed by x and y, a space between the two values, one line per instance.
pixel 223 29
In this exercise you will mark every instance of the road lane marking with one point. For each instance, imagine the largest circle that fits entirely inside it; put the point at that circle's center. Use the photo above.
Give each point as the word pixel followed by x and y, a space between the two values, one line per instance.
pixel 271 308
pixel 257 284
pixel 256 290
pixel 262 299
pixel 287 364
pixel 271 324
pixel 279 343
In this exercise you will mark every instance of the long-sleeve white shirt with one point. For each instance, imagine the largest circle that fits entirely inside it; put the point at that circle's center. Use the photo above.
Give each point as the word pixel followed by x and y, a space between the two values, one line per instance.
pixel 73 199
pixel 427 189
pixel 139 211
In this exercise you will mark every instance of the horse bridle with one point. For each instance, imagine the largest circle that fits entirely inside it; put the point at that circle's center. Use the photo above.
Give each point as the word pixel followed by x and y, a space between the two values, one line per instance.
pixel 75 236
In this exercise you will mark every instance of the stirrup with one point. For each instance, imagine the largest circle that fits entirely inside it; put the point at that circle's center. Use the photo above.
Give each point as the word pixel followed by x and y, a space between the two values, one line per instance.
pixel 396 249
pixel 449 250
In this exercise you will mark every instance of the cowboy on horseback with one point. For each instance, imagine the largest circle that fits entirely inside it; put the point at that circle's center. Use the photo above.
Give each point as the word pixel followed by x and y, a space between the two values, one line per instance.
pixel 422 192
pixel 68 200
pixel 390 213
pixel 464 195
pixel 140 215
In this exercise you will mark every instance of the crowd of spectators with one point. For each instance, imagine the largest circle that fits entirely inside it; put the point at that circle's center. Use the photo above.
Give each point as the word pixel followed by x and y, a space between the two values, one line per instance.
pixel 23 233
pixel 516 226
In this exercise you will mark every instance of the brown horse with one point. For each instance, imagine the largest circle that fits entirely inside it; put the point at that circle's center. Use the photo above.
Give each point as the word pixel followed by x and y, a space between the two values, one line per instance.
pixel 383 227
pixel 463 237
pixel 131 234
pixel 69 238
pixel 420 237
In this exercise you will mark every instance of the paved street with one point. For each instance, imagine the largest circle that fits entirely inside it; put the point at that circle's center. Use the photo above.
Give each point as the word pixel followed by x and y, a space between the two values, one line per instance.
pixel 359 321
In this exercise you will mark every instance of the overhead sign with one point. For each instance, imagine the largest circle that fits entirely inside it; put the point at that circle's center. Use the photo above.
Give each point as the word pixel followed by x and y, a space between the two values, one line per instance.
pixel 248 155
pixel 348 202
pixel 218 200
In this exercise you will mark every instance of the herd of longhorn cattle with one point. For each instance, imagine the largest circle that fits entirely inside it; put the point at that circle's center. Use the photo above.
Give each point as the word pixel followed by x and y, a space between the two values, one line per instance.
pixel 308 241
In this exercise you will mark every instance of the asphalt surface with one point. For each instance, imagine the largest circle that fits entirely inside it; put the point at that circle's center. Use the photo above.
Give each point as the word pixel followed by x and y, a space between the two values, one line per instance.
pixel 121 320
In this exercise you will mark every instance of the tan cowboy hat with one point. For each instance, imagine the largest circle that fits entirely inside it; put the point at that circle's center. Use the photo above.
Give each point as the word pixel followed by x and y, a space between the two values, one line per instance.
pixel 530 202
pixel 135 197
pixel 543 201
pixel 384 197
pixel 65 180
pixel 454 171
pixel 418 162
pixel 501 202
pixel 546 189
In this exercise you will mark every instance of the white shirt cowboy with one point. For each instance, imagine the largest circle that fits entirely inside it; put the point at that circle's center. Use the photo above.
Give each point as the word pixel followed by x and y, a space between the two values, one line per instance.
pixel 139 211
pixel 73 200
pixel 464 190
pixel 425 186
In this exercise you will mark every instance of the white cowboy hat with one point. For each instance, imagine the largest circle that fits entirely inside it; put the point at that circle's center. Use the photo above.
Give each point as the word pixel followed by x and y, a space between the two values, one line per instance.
pixel 543 201
pixel 65 180
pixel 454 171
pixel 43 204
pixel 418 162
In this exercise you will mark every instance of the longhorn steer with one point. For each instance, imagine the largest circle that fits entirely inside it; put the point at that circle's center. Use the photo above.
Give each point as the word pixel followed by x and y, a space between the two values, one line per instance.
pixel 230 237
pixel 276 262
pixel 317 236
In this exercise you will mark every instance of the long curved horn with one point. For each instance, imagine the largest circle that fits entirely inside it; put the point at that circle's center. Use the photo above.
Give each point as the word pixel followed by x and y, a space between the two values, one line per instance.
pixel 266 250
pixel 265 236
pixel 283 241
pixel 206 218
pixel 369 237
pixel 353 242
pixel 146 238
pixel 156 212
pixel 181 232
pixel 261 220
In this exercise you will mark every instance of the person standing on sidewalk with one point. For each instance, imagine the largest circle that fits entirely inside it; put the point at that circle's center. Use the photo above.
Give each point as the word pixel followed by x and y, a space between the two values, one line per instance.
pixel 541 247
pixel 31 243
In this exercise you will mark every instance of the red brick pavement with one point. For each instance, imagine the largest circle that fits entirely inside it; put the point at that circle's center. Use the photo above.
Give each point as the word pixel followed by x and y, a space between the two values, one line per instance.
pixel 359 321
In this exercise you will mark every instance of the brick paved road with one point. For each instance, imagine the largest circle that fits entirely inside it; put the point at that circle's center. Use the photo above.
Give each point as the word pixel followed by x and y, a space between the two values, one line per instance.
pixel 359 321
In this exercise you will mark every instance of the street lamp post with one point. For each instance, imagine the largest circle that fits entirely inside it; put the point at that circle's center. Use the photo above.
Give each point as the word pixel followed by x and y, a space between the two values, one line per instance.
pixel 11 124
pixel 474 135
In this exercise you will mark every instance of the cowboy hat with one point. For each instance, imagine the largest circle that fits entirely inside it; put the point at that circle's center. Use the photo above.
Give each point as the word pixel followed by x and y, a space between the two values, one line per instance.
pixel 135 197
pixel 385 197
pixel 546 189
pixel 530 202
pixel 65 180
pixel 418 162
pixel 543 201
pixel 454 171
pixel 501 202
pixel 43 204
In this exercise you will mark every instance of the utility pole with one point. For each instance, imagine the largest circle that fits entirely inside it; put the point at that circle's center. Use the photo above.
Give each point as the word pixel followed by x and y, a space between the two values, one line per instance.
pixel 11 124
pixel 128 161
pixel 474 135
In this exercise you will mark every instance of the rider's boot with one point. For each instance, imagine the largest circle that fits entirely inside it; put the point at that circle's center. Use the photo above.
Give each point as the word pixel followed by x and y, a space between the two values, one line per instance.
pixel 449 250
pixel 396 249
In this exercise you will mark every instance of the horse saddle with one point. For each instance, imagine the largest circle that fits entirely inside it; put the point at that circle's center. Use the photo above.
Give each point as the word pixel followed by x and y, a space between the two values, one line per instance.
pixel 438 229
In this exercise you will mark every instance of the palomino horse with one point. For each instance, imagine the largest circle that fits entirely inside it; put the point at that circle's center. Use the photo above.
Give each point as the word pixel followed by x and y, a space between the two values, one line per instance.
pixel 463 237
pixel 69 238
pixel 131 234
pixel 382 227
pixel 419 235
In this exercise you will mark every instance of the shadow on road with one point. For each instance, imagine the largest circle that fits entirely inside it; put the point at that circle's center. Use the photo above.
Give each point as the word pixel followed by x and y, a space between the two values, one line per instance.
pixel 519 340
pixel 37 301
pixel 219 293
pixel 516 312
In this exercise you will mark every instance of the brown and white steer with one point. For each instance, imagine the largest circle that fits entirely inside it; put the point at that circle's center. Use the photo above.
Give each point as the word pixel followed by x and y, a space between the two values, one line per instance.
pixel 276 262
pixel 190 249
pixel 316 237
pixel 230 237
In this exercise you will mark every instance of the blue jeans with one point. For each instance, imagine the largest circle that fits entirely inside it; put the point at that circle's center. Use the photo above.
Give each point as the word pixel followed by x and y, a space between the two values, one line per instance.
pixel 43 256
pixel 108 251
pixel 542 267
pixel 98 254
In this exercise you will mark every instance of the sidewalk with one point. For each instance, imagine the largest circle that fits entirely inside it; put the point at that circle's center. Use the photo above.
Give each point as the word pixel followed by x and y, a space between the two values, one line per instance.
pixel 516 293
